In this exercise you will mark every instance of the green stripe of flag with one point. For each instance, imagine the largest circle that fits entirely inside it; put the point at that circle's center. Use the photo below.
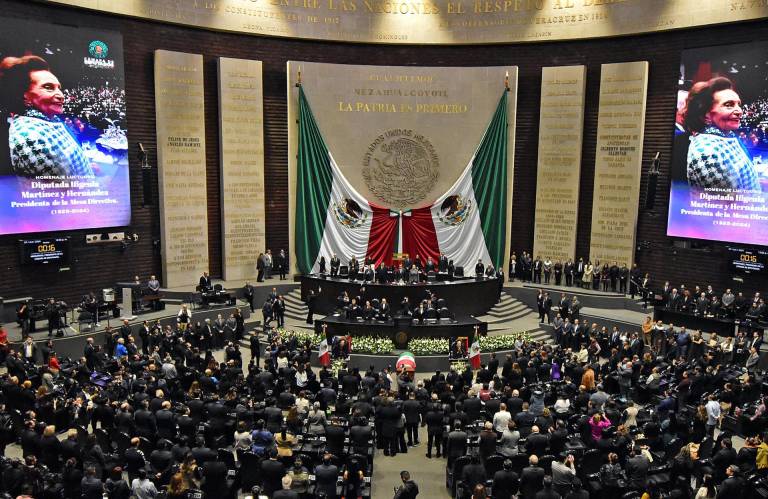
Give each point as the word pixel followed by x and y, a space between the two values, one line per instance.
pixel 313 188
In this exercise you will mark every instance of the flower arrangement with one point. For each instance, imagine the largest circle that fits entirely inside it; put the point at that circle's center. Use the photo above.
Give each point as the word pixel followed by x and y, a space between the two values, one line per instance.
pixel 301 336
pixel 459 366
pixel 373 345
pixel 503 342
pixel 380 345
pixel 429 346
pixel 337 365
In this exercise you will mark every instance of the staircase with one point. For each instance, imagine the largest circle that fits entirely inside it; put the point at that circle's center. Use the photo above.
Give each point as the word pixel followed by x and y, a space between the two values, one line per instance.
pixel 511 315
pixel 295 317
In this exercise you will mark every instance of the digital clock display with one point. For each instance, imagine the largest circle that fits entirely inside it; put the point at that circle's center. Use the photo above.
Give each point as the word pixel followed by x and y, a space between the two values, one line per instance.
pixel 747 260
pixel 45 251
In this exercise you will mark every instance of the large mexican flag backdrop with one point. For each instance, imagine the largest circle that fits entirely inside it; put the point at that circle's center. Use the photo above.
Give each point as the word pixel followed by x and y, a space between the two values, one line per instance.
pixel 467 223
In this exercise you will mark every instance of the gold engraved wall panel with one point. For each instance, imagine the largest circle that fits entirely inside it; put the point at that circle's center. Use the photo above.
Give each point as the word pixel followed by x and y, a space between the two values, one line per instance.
pixel 436 21
pixel 241 135
pixel 181 166
pixel 618 161
pixel 561 130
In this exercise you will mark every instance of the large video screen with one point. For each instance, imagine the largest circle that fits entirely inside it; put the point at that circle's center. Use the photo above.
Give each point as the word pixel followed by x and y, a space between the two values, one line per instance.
pixel 719 166
pixel 63 142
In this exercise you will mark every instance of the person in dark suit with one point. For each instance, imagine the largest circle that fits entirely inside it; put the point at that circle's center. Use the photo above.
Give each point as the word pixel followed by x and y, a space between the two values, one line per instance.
pixel 278 310
pixel 389 415
pixel 286 492
pixel 637 470
pixel 457 443
pixel 479 269
pixel 326 475
pixel 409 489
pixel 536 443
pixel 381 274
pixel 473 473
pixel 335 264
pixel 205 283
pixel 311 299
pixel 134 459
pixel 412 410
pixel 538 267
pixel 166 421
pixel 733 485
pixel 146 425
pixel 578 272
pixel 547 492
pixel 531 479
pixel 442 264
pixel 565 306
pixel 272 472
pixel 505 482
pixel 568 272
pixel 487 444
pixel 548 307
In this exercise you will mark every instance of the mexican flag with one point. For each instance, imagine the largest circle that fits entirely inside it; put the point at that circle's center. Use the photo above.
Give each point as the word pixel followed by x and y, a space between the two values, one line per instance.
pixel 406 361
pixel 474 354
pixel 331 216
pixel 324 353
pixel 467 223
pixel 469 220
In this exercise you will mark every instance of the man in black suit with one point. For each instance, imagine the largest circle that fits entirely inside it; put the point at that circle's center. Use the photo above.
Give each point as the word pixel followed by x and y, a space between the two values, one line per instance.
pixel 637 470
pixel 442 264
pixel 733 485
pixel 673 303
pixel 409 489
pixel 531 479
pixel 134 459
pixel 389 416
pixel 479 268
pixel 335 264
pixel 166 421
pixel 565 306
pixel 537 269
pixel 457 443
pixel 326 475
pixel 249 295
pixel 473 473
pixel 623 277
pixel 412 411
pixel 505 482
pixel 613 275
pixel 540 305
pixel 278 310
pixel 382 276
pixel 548 307
pixel 568 271
pixel 536 443
pixel 578 272
pixel 205 283
pixel 311 299
pixel 272 472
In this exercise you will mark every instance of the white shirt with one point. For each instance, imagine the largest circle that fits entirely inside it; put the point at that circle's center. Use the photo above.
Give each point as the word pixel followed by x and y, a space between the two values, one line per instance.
pixel 713 412
pixel 562 405
pixel 500 421
pixel 301 379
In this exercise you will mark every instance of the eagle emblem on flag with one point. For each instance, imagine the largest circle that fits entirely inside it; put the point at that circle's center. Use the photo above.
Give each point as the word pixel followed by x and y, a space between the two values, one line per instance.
pixel 455 210
pixel 349 214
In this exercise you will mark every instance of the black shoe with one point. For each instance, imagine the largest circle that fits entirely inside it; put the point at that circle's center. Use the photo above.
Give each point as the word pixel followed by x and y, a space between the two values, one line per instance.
pixel 439 455
pixel 429 456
